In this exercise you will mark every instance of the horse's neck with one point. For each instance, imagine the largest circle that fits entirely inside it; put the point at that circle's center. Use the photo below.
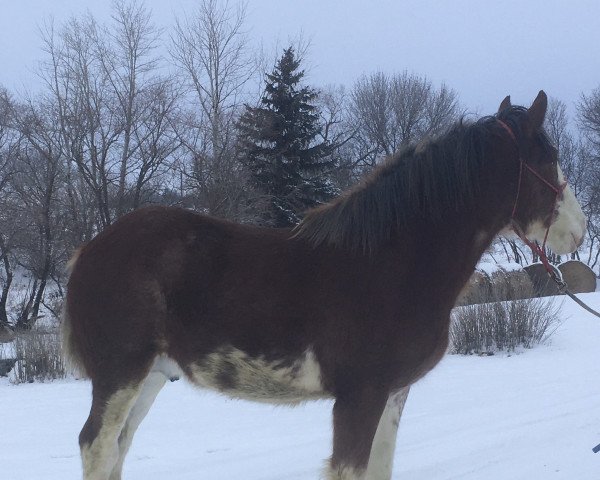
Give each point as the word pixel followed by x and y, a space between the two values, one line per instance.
pixel 450 248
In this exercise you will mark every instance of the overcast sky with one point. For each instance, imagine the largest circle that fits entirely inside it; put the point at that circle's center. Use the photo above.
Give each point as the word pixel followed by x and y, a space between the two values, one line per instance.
pixel 483 49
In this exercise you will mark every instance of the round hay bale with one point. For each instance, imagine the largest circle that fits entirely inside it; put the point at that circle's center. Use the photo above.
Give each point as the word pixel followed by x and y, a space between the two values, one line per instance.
pixel 511 285
pixel 477 290
pixel 579 277
pixel 543 285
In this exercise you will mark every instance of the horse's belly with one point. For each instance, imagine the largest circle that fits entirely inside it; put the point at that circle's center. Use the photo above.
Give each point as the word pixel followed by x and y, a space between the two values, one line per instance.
pixel 239 375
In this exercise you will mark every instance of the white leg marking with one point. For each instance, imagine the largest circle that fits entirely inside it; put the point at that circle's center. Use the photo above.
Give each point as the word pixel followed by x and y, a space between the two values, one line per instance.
pixel 152 385
pixel 345 473
pixel 381 460
pixel 101 455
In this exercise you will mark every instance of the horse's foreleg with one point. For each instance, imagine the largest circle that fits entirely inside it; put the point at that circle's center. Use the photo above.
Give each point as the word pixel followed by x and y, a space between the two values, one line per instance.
pixel 355 419
pixel 152 385
pixel 381 460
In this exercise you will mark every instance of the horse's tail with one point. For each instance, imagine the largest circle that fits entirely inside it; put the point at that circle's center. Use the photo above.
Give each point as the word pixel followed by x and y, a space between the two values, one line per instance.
pixel 70 348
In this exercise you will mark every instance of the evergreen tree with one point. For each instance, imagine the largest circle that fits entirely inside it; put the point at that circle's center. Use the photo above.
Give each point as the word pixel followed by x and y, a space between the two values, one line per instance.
pixel 279 143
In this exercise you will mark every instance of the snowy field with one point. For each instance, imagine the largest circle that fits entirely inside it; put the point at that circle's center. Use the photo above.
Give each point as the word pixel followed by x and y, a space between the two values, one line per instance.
pixel 535 415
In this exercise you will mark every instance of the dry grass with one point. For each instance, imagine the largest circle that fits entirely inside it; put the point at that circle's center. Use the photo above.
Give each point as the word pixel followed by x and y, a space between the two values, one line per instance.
pixel 39 356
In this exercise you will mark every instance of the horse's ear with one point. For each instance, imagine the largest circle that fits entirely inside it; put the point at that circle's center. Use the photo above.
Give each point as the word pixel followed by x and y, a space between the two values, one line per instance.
pixel 537 111
pixel 505 104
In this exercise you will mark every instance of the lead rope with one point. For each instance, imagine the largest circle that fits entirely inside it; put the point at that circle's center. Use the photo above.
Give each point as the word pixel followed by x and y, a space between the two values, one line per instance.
pixel 563 288
pixel 535 248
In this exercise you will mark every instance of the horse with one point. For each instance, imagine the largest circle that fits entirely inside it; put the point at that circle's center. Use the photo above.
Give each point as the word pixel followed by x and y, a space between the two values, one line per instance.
pixel 342 307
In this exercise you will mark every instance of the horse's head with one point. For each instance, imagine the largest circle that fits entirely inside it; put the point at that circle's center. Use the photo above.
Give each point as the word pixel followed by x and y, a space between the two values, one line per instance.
pixel 544 202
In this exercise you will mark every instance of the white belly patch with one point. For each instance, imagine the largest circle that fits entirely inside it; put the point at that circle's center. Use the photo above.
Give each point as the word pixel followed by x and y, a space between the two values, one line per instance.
pixel 237 374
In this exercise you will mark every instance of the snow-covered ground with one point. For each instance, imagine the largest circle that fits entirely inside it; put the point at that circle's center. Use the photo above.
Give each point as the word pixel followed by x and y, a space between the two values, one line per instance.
pixel 535 415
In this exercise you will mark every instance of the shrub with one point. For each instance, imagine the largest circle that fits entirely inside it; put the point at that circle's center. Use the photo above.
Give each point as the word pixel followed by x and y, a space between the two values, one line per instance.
pixel 492 325
pixel 7 359
pixel 39 356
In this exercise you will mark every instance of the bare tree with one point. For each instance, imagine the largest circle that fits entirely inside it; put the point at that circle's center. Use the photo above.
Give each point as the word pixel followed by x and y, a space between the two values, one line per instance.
pixel 8 144
pixel 156 139
pixel 578 158
pixel 588 113
pixel 81 91
pixel 332 102
pixel 210 47
pixel 557 122
pixel 389 112
pixel 64 96
pixel 113 109
pixel 126 53
pixel 371 111
pixel 96 142
pixel 38 186
pixel 574 153
pixel 410 95
pixel 441 110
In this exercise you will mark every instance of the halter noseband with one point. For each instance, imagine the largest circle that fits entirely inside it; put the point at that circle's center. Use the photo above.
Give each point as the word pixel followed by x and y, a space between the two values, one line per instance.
pixel 540 251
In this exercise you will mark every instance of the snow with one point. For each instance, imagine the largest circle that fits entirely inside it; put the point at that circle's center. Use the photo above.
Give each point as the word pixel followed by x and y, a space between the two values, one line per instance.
pixel 490 267
pixel 529 416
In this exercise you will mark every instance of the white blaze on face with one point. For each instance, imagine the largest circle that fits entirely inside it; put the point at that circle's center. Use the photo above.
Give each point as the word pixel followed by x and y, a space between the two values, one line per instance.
pixel 568 228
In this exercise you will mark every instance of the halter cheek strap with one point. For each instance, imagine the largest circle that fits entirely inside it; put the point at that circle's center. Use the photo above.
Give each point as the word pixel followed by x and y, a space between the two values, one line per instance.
pixel 523 165
pixel 540 251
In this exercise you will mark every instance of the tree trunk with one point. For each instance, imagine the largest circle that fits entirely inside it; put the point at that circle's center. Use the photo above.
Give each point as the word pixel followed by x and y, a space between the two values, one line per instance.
pixel 4 296
pixel 35 309
pixel 6 287
pixel 24 323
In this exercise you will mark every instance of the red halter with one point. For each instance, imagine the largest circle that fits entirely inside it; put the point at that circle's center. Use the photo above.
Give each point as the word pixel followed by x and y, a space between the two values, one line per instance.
pixel 557 190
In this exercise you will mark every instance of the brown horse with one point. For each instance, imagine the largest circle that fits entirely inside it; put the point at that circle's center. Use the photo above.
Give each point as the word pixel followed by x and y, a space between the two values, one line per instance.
pixel 343 307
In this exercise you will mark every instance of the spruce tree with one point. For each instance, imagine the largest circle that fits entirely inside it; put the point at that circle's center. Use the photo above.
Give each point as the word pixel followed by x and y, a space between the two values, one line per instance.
pixel 279 143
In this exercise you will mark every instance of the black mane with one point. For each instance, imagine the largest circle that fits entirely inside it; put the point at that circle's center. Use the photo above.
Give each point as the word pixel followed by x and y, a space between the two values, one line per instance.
pixel 420 181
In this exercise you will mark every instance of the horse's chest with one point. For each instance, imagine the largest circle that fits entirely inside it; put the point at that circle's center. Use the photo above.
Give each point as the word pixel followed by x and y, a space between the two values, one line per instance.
pixel 434 354
pixel 237 374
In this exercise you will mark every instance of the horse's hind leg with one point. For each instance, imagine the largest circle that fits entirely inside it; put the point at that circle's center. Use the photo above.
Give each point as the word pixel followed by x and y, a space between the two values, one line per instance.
pixel 355 419
pixel 381 460
pixel 99 437
pixel 151 386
